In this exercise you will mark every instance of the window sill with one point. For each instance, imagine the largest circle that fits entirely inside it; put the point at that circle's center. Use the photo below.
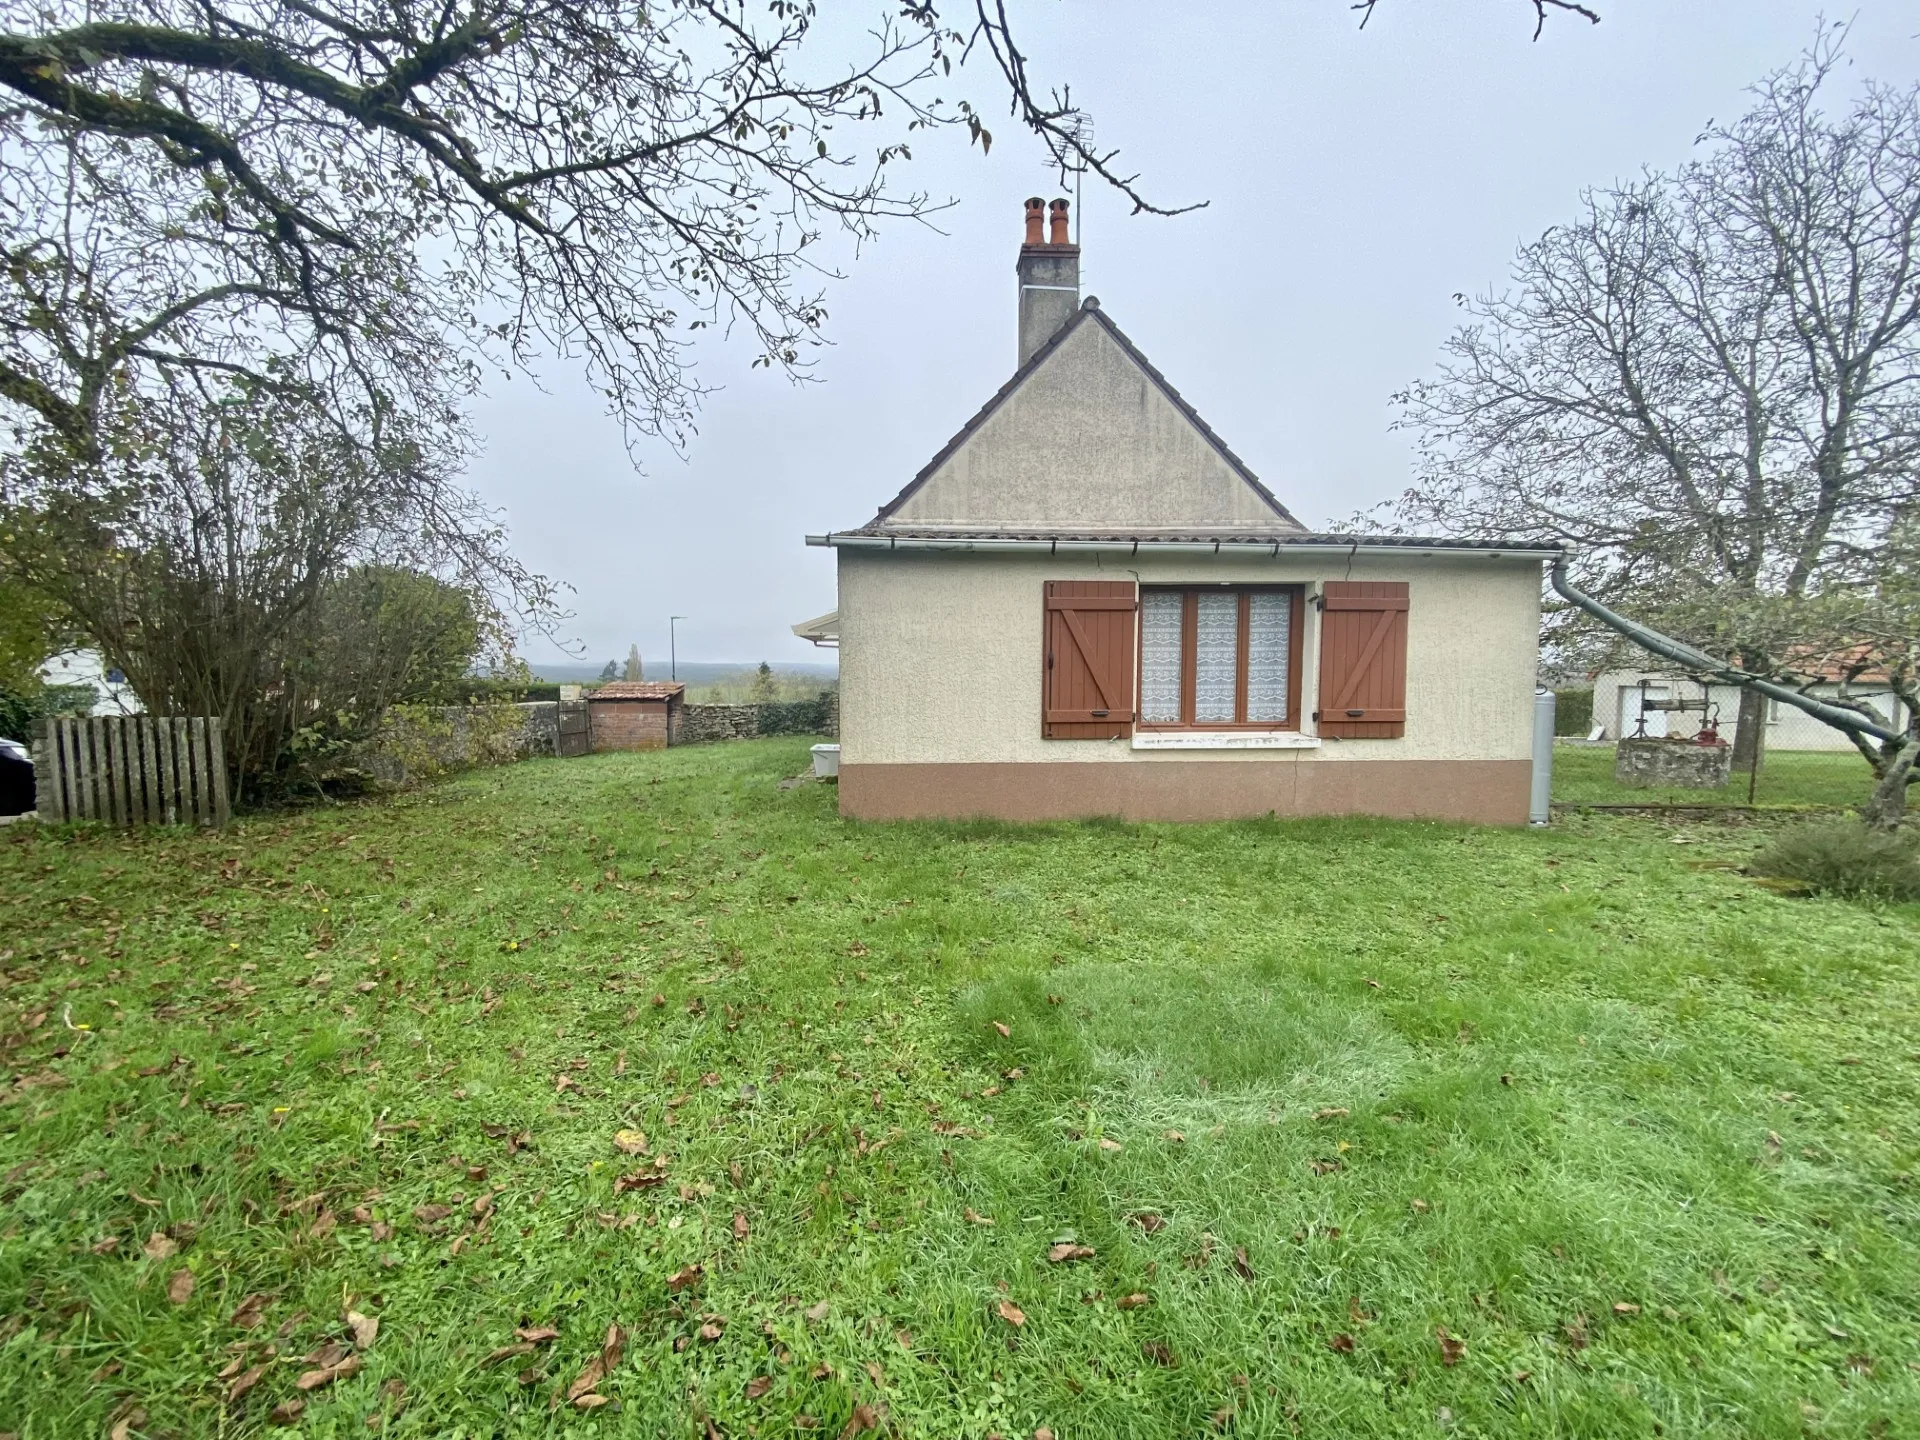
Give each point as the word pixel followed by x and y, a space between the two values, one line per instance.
pixel 1224 740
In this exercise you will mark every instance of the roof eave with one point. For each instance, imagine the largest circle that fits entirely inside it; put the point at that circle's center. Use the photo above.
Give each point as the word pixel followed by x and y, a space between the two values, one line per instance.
pixel 1250 545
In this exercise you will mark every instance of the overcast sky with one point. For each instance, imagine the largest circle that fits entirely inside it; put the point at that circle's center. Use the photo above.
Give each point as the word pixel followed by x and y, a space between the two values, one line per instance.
pixel 1355 180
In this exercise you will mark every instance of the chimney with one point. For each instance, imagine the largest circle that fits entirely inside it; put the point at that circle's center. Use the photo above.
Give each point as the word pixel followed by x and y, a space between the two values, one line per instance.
pixel 1049 273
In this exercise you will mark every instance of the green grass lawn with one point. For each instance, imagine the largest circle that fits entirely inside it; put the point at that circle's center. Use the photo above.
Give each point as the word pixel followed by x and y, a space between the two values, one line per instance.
pixel 1789 780
pixel 1370 1128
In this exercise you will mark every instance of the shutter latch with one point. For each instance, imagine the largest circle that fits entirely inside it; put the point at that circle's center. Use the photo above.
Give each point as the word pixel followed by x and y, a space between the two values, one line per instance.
pixel 1099 714
pixel 1355 714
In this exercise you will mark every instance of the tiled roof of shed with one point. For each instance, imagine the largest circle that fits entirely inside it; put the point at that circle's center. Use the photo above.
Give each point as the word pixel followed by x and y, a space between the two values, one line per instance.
pixel 636 690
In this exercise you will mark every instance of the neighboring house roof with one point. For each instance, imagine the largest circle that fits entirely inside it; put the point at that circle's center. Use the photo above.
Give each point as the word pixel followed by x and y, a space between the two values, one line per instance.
pixel 637 690
pixel 1089 313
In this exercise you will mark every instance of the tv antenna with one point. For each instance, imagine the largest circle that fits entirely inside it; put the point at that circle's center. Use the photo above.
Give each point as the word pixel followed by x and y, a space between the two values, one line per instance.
pixel 1078 125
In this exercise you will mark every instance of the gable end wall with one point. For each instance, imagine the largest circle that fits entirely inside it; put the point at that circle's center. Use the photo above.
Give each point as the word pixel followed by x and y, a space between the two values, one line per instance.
pixel 1088 442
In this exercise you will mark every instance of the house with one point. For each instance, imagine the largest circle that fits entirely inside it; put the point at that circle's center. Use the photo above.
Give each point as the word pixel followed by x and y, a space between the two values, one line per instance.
pixel 1086 604
pixel 1625 701
pixel 634 714
pixel 112 694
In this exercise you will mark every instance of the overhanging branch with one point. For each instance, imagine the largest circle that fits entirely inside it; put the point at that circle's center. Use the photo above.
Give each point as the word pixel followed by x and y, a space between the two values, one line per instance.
pixel 1700 662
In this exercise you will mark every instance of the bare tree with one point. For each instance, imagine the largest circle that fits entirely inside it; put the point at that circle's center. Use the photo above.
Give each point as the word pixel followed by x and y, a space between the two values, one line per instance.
pixel 1708 387
pixel 390 193
pixel 254 565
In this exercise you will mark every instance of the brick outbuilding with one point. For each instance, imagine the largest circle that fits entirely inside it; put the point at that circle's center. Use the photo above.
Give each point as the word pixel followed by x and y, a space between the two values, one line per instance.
pixel 635 714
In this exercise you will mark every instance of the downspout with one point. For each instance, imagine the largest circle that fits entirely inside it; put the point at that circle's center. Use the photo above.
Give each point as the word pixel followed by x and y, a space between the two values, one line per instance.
pixel 1702 663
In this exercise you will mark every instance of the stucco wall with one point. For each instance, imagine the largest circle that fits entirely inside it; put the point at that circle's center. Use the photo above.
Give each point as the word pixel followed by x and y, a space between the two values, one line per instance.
pixel 1088 442
pixel 940 655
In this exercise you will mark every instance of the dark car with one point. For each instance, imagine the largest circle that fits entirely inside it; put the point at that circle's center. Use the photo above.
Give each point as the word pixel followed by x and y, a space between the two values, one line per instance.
pixel 16 778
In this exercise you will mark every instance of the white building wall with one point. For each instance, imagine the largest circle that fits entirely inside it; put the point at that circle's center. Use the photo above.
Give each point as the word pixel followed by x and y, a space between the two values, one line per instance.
pixel 941 655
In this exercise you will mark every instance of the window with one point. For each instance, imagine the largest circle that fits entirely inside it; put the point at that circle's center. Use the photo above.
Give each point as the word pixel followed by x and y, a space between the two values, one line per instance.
pixel 1220 657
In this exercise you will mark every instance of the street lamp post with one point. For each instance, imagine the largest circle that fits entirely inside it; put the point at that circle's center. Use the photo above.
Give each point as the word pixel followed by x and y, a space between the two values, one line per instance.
pixel 673 647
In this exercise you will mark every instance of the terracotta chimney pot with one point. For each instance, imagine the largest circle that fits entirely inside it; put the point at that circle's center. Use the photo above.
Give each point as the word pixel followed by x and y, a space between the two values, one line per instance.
pixel 1059 218
pixel 1036 207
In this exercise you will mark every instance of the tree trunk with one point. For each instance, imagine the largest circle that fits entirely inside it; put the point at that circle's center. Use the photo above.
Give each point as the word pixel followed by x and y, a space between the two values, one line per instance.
pixel 1889 803
pixel 1750 734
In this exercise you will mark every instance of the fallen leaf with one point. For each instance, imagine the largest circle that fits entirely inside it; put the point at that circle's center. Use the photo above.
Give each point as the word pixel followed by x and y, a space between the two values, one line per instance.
pixel 639 1180
pixel 431 1214
pixel 863 1419
pixel 1421 1207
pixel 161 1246
pixel 380 1230
pixel 1451 1349
pixel 739 1225
pixel 1241 1266
pixel 759 1386
pixel 1159 1352
pixel 287 1412
pixel 180 1287
pixel 1342 1343
pixel 103 1246
pixel 252 1310
pixel 1332 1112
pixel 1148 1221
pixel 713 1329
pixel 1067 1251
pixel 536 1334
pixel 1221 1418
pixel 1042 1433
pixel 508 1352
pixel 816 1313
pixel 1625 1307
pixel 1174 1135
pixel 601 1366
pixel 1005 1033
pixel 1011 1313
pixel 1134 1301
pixel 1520 1377
pixel 685 1276
pixel 1109 1145
pixel 630 1142
pixel 245 1381
pixel 364 1328
pixel 588 1401
pixel 314 1379
pixel 127 1424
pixel 974 1217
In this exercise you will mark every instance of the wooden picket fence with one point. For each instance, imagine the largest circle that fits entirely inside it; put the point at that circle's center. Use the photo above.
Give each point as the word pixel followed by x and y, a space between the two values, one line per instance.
pixel 132 770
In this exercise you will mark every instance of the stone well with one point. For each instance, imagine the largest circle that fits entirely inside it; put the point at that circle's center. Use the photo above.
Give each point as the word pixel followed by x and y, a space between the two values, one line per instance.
pixel 1645 764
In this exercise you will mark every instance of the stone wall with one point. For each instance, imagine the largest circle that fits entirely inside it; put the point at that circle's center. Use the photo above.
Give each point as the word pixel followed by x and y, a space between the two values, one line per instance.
pixel 418 743
pixel 819 716
pixel 1645 764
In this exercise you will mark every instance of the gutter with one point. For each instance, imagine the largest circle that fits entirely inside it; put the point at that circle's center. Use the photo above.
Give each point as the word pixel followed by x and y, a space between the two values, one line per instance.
pixel 1274 548
pixel 1688 658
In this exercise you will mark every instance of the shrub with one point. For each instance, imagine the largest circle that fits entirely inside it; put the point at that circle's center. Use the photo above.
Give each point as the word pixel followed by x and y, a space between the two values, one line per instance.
pixel 1845 858
pixel 1573 711
pixel 22 711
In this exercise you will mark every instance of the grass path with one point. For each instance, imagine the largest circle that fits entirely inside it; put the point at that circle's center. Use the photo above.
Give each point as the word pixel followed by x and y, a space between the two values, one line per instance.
pixel 1398 1129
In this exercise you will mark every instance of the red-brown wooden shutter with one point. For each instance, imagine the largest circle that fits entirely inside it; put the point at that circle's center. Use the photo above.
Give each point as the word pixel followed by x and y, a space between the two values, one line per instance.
pixel 1363 659
pixel 1087 688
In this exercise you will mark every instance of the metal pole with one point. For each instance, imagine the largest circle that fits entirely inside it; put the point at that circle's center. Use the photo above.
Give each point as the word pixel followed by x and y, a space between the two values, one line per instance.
pixel 1540 810
pixel 673 647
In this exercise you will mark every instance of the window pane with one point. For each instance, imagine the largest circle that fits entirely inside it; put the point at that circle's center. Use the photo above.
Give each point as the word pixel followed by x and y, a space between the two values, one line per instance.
pixel 1268 624
pixel 1160 656
pixel 1216 657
